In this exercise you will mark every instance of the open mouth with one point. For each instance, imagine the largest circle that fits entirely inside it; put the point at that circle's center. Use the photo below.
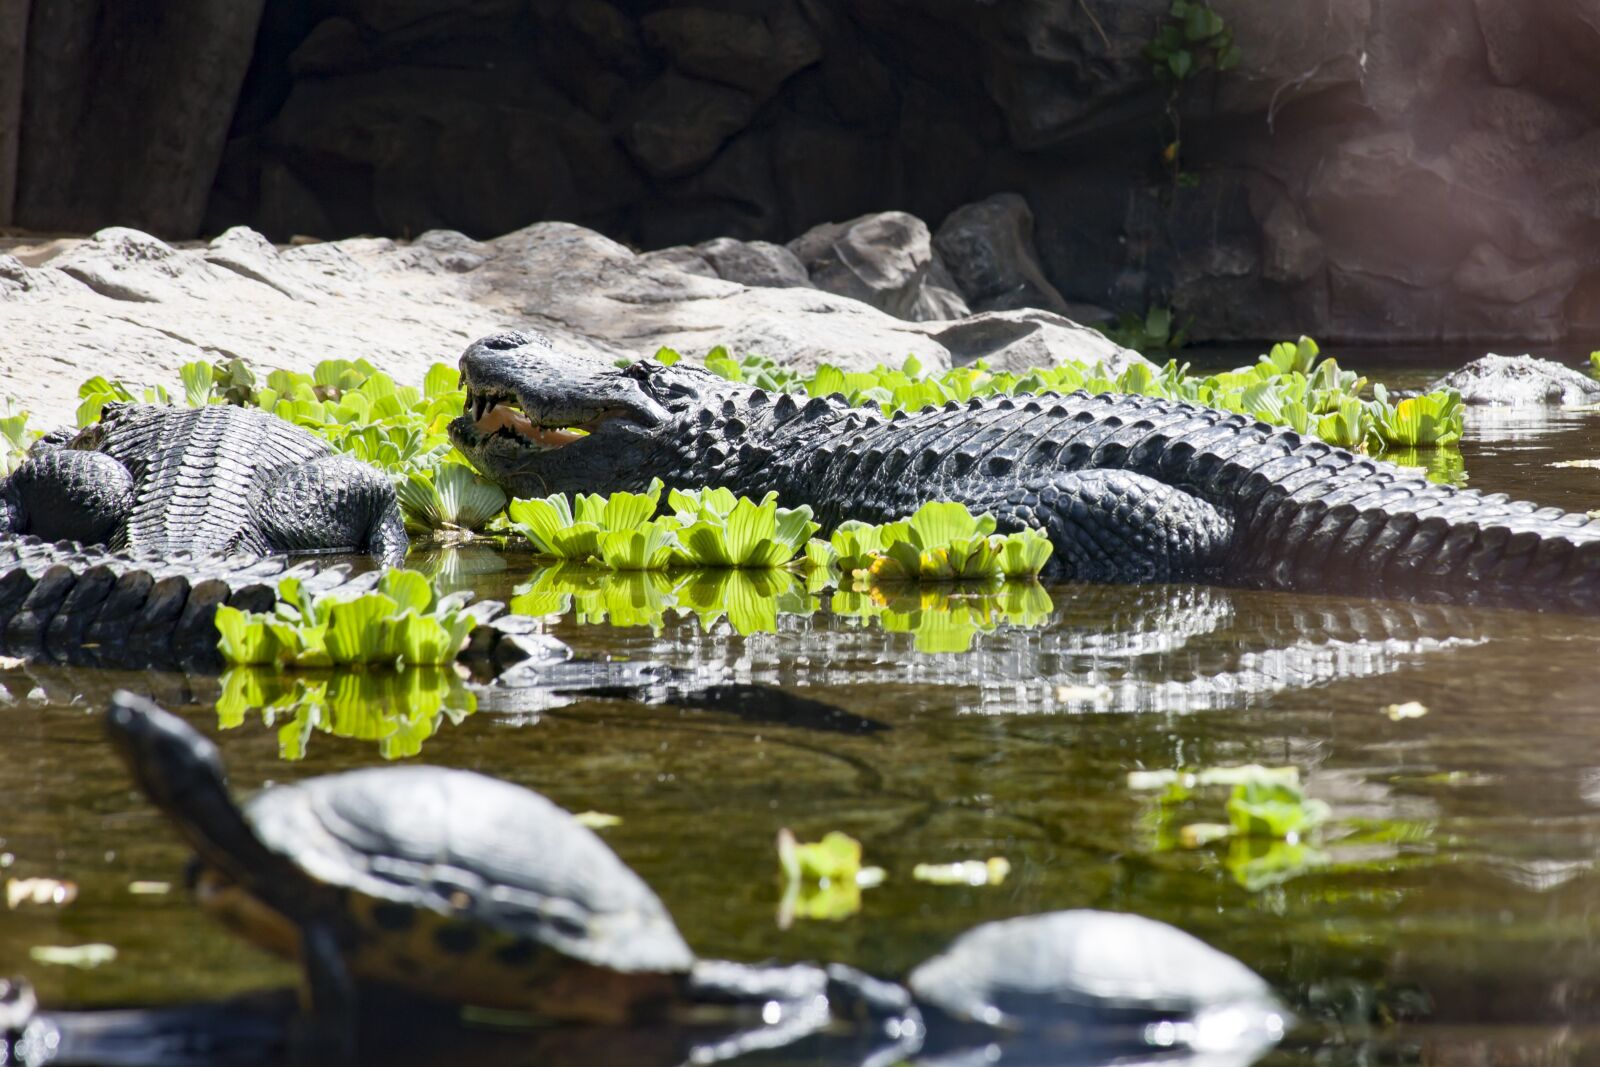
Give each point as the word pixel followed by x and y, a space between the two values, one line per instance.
pixel 501 413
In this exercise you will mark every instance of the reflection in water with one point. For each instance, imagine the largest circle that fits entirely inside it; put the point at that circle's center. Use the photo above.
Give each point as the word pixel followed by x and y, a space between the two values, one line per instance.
pixel 1171 648
pixel 398 709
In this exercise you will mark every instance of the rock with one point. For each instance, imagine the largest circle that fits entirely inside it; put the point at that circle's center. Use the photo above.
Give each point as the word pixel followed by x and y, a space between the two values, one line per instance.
pixel 681 122
pixel 680 257
pixel 758 263
pixel 743 50
pixel 128 306
pixel 110 82
pixel 1519 381
pixel 988 248
pixel 882 260
pixel 334 46
pixel 386 16
pixel 1018 339
pixel 580 286
pixel 13 40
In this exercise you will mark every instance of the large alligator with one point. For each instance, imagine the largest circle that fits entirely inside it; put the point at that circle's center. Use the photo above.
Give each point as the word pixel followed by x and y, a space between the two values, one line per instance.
pixel 1128 488
pixel 213 480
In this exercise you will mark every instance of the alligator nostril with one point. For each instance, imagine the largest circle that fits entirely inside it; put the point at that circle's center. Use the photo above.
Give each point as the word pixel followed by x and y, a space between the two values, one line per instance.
pixel 502 342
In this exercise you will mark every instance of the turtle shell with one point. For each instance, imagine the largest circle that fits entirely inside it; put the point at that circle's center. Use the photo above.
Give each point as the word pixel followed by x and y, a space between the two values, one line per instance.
pixel 461 885
pixel 1026 972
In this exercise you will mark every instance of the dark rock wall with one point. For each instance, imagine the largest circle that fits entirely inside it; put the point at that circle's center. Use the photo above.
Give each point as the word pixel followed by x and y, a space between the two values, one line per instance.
pixel 1373 169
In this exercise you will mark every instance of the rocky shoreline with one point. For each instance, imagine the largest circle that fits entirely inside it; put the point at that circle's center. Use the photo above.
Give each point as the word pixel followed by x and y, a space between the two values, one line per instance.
pixel 128 306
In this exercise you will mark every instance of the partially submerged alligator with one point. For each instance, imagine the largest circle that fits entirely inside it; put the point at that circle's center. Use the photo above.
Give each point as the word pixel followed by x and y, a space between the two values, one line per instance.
pixel 1128 488
pixel 118 542
pixel 214 480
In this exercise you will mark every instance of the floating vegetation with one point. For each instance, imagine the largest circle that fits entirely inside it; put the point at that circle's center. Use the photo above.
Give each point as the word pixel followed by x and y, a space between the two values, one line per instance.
pixel 822 879
pixel 707 528
pixel 992 871
pixel 397 709
pixel 448 498
pixel 946 542
pixel 15 436
pixel 401 623
pixel 1271 833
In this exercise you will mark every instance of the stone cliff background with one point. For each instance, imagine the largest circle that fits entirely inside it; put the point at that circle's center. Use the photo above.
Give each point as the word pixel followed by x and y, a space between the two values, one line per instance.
pixel 1390 170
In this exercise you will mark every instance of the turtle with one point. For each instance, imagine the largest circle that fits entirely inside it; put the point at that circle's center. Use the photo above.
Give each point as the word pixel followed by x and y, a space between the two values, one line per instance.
pixel 1092 980
pixel 437 883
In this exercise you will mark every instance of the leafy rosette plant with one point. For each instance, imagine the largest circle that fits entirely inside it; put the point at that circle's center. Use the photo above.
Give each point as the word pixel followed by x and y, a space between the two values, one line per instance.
pixel 398 623
pixel 943 541
pixel 450 498
pixel 570 529
pixel 718 529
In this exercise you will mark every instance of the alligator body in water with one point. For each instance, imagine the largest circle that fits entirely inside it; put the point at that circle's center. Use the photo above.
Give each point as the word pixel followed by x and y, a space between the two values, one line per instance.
pixel 1128 488
pixel 214 480
pixel 118 542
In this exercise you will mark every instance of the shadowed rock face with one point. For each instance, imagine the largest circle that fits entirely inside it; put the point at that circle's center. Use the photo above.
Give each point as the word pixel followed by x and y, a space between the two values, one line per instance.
pixel 1369 170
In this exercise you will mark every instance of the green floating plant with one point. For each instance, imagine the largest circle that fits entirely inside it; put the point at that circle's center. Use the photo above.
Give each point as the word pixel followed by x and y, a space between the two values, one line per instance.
pixel 822 879
pixel 561 528
pixel 449 498
pixel 945 542
pixel 750 600
pixel 399 710
pixel 1272 828
pixel 15 436
pixel 627 598
pixel 717 529
pixel 400 623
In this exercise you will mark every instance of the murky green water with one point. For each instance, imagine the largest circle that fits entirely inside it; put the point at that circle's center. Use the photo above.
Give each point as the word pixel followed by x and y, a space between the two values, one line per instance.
pixel 1450 914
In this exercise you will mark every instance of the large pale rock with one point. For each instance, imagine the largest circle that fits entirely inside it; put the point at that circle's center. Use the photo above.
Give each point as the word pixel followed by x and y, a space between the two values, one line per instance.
pixel 885 260
pixel 1022 338
pixel 988 249
pixel 577 280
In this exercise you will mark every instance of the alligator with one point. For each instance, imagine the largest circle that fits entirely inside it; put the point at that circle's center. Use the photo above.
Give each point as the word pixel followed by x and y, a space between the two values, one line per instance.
pixel 212 480
pixel 1128 488
pixel 1519 381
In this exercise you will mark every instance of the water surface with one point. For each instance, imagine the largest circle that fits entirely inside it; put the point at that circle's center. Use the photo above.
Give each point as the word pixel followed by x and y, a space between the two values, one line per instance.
pixel 1449 914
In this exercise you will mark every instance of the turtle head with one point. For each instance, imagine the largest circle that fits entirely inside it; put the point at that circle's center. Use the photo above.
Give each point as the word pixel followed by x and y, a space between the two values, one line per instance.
pixel 539 420
pixel 171 762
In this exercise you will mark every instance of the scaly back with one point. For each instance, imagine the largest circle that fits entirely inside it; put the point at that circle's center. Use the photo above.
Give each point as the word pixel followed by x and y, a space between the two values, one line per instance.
pixel 195 469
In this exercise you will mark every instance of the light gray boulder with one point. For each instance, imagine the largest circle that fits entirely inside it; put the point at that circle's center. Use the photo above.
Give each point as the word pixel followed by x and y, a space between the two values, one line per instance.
pixel 885 260
pixel 1022 338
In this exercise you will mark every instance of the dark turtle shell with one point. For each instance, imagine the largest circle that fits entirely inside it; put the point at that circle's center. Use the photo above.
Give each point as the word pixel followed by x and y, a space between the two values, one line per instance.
pixel 1023 973
pixel 477 850
pixel 463 887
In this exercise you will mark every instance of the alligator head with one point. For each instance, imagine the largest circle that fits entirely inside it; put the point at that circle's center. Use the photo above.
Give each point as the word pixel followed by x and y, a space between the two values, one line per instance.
pixel 540 421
